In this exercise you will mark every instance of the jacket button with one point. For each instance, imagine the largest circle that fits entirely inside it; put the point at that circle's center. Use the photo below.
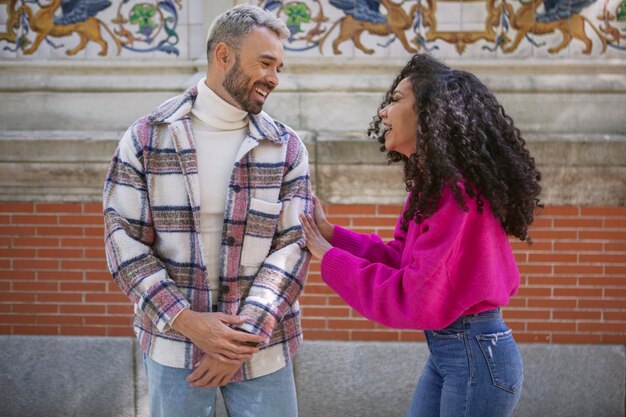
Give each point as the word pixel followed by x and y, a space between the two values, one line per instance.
pixel 236 188
pixel 230 241
pixel 225 289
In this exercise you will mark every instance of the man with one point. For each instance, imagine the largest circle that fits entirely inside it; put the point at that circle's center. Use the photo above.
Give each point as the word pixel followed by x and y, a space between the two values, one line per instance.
pixel 201 204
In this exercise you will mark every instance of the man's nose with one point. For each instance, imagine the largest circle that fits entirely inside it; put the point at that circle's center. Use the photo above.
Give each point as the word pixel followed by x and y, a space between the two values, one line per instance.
pixel 272 79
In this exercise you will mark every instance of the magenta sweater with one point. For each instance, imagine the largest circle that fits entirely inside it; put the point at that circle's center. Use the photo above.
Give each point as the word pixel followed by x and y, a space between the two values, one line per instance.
pixel 453 263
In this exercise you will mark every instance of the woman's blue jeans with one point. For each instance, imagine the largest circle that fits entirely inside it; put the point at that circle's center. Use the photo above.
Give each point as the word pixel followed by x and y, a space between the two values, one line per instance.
pixel 474 370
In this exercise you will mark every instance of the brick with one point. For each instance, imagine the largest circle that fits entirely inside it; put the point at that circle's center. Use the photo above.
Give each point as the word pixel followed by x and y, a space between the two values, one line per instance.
pixel 391 210
pixel 615 270
pixel 350 324
pixel 81 242
pixel 596 327
pixel 5 263
pixel 615 247
pixel 21 275
pixel 519 246
pixel 17 319
pixel 59 298
pixel 602 304
pixel 615 223
pixel 16 208
pixel 93 231
pixel 532 337
pixel 552 281
pixel 351 209
pixel 59 253
pixel 554 258
pixel 603 281
pixel 578 269
pixel 60 320
pixel 107 320
pixel 603 211
pixel 615 316
pixel 17 297
pixel 95 254
pixel 105 298
pixel 577 315
pixel 84 264
pixel 406 336
pixel 83 219
pixel 373 221
pixel 555 234
pixel 36 330
pixel 375 336
pixel 534 292
pixel 615 293
pixel 60 275
pixel 35 286
pixel 535 269
pixel 560 211
pixel 127 309
pixel 35 242
pixel 318 289
pixel 327 335
pixel 98 276
pixel 92 208
pixel 576 338
pixel 5 219
pixel 552 326
pixel 313 300
pixel 83 286
pixel 542 223
pixel 551 303
pixel 82 309
pixel 526 314
pixel 17 230
pixel 18 253
pixel 5 242
pixel 60 231
pixel 603 258
pixel 35 264
pixel 57 208
pixel 319 324
pixel 82 331
pixel 618 339
pixel 35 308
pixel 120 331
pixel 579 223
pixel 602 235
pixel 578 246
pixel 325 311
pixel 578 292
pixel 34 220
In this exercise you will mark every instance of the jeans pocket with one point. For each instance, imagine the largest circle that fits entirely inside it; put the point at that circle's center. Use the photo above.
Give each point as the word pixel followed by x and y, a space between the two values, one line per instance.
pixel 503 359
pixel 447 334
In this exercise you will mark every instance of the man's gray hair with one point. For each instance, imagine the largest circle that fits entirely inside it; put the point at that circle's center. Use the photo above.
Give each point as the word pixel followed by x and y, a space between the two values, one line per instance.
pixel 234 24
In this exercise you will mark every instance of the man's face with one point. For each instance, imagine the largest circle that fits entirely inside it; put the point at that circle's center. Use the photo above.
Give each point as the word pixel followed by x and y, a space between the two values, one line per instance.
pixel 254 73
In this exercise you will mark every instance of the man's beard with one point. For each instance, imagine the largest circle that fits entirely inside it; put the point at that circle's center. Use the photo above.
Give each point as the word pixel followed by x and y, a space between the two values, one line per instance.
pixel 236 83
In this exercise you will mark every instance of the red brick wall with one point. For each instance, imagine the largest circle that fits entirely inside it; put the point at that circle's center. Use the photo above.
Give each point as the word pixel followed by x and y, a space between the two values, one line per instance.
pixel 54 280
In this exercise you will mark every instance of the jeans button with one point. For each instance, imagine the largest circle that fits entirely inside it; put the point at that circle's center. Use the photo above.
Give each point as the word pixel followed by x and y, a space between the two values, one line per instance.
pixel 236 188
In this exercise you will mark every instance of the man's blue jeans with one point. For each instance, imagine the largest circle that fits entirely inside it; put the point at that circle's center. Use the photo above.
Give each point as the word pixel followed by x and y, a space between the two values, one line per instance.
pixel 267 396
pixel 474 370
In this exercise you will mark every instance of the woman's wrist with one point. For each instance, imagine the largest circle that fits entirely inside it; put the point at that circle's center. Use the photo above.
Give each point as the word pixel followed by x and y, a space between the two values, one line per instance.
pixel 327 230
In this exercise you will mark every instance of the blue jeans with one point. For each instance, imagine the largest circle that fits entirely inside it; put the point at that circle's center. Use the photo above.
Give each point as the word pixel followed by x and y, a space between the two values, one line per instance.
pixel 474 370
pixel 267 396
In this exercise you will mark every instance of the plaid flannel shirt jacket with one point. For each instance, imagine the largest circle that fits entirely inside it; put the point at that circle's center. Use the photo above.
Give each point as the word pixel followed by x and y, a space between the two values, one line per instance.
pixel 152 234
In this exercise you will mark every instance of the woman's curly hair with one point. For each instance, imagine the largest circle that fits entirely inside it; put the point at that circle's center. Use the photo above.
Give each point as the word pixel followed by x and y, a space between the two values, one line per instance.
pixel 463 136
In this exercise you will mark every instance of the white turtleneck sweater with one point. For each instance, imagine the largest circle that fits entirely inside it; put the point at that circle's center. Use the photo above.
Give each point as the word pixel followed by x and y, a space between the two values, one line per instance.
pixel 219 130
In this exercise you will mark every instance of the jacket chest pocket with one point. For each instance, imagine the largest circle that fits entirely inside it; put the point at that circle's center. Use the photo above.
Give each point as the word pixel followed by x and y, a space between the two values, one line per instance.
pixel 261 224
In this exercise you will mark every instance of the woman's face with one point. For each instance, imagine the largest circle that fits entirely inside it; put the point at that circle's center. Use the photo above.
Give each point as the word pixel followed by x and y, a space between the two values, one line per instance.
pixel 400 120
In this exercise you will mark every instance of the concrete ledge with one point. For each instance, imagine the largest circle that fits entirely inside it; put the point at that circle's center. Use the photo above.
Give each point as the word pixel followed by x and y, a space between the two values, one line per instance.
pixel 97 376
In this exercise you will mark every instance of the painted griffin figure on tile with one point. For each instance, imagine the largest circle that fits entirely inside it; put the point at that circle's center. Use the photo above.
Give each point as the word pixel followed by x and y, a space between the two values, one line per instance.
pixel 77 16
pixel 365 16
pixel 558 15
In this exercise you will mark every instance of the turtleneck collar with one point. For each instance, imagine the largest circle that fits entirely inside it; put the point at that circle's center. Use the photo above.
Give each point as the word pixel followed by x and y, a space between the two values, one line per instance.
pixel 215 113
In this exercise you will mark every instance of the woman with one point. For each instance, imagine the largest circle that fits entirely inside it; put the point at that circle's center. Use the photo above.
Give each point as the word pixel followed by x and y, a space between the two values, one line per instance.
pixel 450 267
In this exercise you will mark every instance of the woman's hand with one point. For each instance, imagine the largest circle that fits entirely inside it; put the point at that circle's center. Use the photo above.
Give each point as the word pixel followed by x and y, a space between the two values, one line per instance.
pixel 325 227
pixel 316 243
